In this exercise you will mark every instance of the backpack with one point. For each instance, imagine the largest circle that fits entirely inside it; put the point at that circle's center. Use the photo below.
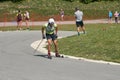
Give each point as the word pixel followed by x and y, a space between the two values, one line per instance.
pixel 19 16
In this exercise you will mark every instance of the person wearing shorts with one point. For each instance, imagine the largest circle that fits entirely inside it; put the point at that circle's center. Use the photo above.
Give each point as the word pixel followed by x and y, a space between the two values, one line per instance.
pixel 110 17
pixel 51 34
pixel 19 20
pixel 116 15
pixel 79 21
pixel 62 14
pixel 27 18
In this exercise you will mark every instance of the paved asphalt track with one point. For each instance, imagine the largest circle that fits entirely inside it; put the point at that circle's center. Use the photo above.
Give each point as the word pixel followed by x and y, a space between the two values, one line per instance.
pixel 17 61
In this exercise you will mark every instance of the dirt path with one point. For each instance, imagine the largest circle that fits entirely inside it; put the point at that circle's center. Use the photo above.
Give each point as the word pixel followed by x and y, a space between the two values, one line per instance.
pixel 4 24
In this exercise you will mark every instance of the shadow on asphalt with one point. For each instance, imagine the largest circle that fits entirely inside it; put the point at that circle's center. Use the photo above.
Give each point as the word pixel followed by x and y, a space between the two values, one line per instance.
pixel 42 55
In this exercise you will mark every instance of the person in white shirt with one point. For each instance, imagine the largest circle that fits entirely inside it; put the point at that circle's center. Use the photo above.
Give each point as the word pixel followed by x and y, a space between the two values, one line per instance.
pixel 79 20
pixel 62 14
pixel 27 18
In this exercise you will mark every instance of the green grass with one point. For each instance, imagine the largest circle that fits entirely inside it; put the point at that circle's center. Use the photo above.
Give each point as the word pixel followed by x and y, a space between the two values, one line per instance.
pixel 101 42
pixel 66 27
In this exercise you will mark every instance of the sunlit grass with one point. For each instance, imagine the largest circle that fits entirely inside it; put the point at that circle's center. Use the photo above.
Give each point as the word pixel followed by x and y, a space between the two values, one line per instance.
pixel 101 42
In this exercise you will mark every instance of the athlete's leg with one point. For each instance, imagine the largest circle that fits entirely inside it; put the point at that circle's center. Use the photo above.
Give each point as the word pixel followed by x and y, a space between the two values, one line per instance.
pixel 83 29
pixel 27 24
pixel 62 17
pixel 56 46
pixel 49 46
pixel 78 27
pixel 82 26
pixel 20 25
pixel 17 25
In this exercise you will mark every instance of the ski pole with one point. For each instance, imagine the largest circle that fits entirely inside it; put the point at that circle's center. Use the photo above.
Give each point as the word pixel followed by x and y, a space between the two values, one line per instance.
pixel 38 46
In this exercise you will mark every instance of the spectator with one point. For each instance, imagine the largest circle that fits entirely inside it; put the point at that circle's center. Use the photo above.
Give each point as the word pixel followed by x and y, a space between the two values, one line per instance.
pixel 79 20
pixel 19 20
pixel 62 14
pixel 27 18
pixel 110 17
pixel 119 15
pixel 116 14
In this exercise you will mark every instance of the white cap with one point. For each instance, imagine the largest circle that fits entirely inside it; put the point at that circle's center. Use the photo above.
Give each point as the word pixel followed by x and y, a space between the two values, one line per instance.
pixel 51 20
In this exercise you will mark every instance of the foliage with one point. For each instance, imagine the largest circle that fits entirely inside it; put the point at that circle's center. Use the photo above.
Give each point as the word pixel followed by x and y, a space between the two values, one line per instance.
pixel 11 0
pixel 41 10
pixel 4 0
pixel 86 1
pixel 69 0
pixel 16 0
pixel 89 1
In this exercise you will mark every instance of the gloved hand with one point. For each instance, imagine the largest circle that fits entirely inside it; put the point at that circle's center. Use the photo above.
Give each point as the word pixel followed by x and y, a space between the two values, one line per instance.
pixel 56 35
pixel 43 37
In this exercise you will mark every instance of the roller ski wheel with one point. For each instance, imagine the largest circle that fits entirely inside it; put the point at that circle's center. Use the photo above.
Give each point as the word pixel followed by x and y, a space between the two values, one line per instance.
pixel 59 56
pixel 49 57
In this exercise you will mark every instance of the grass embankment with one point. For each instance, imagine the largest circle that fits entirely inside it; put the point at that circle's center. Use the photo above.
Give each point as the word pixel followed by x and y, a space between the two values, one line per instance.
pixel 43 9
pixel 101 42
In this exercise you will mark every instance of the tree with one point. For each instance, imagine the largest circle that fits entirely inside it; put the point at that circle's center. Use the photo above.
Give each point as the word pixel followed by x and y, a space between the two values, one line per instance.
pixel 89 1
pixel 86 1
pixel 16 0
pixel 11 0
pixel 69 0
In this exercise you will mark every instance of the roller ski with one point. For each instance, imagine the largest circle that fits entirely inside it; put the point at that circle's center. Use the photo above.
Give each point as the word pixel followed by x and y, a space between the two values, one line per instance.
pixel 56 55
pixel 49 57
pixel 59 56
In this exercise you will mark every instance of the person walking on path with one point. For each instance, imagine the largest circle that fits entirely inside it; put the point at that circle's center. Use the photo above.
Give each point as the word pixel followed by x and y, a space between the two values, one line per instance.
pixel 110 17
pixel 51 34
pixel 119 16
pixel 27 18
pixel 62 14
pixel 19 20
pixel 79 20
pixel 116 14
